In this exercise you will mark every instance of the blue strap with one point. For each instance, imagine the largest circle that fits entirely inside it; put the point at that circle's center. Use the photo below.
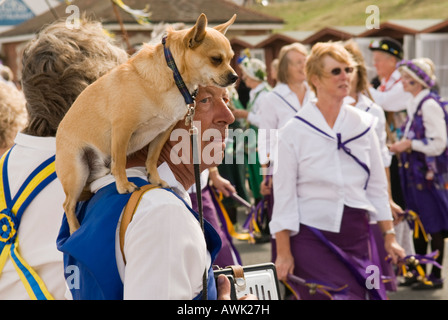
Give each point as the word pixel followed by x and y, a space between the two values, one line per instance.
pixel 10 203
pixel 6 189
pixel 177 77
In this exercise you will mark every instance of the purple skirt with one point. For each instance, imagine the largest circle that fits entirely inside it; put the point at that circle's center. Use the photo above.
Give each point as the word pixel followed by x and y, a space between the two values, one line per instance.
pixel 316 262
pixel 431 206
pixel 228 255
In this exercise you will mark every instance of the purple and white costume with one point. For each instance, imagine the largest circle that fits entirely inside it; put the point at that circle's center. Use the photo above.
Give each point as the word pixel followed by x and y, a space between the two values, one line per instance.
pixel 331 182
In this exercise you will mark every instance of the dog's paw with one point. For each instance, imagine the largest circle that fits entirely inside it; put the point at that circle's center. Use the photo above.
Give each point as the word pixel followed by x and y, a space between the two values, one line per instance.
pixel 157 182
pixel 127 187
pixel 73 226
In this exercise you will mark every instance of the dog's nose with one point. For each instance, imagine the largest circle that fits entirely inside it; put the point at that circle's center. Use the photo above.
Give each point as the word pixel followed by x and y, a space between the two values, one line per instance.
pixel 232 77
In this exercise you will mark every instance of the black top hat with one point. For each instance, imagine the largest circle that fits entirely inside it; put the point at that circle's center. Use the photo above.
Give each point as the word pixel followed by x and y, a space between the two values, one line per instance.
pixel 388 45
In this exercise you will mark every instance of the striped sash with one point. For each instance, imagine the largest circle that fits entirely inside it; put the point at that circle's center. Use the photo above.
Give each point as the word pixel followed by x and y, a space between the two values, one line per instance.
pixel 11 213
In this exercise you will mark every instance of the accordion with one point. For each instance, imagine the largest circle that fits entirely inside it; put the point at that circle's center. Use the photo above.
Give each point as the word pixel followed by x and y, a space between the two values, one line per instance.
pixel 260 280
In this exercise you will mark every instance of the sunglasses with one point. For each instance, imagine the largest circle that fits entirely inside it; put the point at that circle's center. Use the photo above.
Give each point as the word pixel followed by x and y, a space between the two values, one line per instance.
pixel 337 71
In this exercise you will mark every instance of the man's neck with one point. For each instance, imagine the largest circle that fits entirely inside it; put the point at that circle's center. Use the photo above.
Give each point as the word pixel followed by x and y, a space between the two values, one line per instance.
pixel 184 173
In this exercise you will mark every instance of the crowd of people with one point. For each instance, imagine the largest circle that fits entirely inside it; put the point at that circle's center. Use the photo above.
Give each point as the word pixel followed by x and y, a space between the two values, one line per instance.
pixel 343 162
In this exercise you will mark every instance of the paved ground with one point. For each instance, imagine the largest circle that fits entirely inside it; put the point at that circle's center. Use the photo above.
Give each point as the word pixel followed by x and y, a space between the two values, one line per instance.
pixel 259 253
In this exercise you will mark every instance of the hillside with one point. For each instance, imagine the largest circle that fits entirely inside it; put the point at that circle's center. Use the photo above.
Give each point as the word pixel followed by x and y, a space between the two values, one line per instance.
pixel 316 14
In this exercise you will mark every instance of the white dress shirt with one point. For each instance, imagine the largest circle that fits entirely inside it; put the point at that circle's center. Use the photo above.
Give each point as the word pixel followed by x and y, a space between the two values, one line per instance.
pixel 40 222
pixel 164 245
pixel 367 105
pixel 393 98
pixel 314 180
pixel 274 113
pixel 434 123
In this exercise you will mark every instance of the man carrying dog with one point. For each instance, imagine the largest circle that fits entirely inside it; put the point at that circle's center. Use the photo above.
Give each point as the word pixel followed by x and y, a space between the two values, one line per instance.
pixel 163 253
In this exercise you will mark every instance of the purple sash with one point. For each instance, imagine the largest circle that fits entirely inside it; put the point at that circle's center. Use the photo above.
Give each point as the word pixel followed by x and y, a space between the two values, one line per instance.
pixel 356 266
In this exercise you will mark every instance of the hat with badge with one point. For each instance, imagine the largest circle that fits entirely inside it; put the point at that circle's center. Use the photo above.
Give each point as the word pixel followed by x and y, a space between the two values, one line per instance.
pixel 388 45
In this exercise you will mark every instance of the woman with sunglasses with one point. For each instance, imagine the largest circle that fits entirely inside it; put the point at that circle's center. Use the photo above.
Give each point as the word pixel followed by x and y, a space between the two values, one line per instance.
pixel 329 183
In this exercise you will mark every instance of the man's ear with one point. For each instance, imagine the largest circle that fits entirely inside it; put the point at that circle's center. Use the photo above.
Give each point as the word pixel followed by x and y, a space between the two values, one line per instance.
pixel 223 27
pixel 196 34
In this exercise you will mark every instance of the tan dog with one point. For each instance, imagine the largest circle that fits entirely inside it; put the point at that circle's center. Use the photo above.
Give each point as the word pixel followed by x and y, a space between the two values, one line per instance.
pixel 135 104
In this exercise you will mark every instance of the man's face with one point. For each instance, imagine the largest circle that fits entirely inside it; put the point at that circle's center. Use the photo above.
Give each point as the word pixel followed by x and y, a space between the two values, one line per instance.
pixel 384 63
pixel 212 117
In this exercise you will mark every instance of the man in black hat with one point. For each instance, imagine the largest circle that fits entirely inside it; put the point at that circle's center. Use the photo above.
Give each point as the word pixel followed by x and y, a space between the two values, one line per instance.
pixel 391 96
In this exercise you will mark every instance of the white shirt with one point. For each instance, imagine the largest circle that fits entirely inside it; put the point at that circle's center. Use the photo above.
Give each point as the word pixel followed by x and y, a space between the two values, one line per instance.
pixel 434 123
pixel 164 244
pixel 40 222
pixel 367 105
pixel 256 95
pixel 274 113
pixel 314 180
pixel 203 179
pixel 393 98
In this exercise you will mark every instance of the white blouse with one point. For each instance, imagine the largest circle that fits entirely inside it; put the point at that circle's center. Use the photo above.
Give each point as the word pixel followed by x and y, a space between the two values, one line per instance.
pixel 367 105
pixel 314 178
pixel 254 114
pixel 393 98
pixel 274 112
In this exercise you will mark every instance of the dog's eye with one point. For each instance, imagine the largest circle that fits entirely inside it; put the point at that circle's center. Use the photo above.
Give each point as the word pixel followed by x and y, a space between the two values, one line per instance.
pixel 216 60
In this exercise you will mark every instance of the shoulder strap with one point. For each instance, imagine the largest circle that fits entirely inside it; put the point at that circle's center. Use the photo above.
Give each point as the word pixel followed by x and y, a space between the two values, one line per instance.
pixel 11 213
pixel 129 211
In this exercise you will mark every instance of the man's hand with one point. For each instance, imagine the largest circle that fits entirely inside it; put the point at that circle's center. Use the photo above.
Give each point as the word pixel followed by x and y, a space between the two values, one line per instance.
pixel 224 290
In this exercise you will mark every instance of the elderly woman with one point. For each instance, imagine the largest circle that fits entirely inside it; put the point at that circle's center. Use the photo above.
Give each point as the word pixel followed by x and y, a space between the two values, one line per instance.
pixel 283 102
pixel 329 182
pixel 424 157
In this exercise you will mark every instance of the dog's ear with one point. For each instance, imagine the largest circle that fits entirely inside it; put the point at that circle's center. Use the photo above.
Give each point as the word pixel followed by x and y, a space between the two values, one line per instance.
pixel 194 37
pixel 223 27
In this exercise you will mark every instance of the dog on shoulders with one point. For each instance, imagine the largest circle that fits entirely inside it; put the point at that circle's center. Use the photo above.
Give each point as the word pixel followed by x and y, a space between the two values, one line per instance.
pixel 136 104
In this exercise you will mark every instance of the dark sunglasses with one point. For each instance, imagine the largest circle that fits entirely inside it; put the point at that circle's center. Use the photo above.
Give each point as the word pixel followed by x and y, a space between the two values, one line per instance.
pixel 337 71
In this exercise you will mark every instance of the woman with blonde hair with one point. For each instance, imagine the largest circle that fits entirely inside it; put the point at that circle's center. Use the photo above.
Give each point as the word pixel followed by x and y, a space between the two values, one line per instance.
pixel 329 183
